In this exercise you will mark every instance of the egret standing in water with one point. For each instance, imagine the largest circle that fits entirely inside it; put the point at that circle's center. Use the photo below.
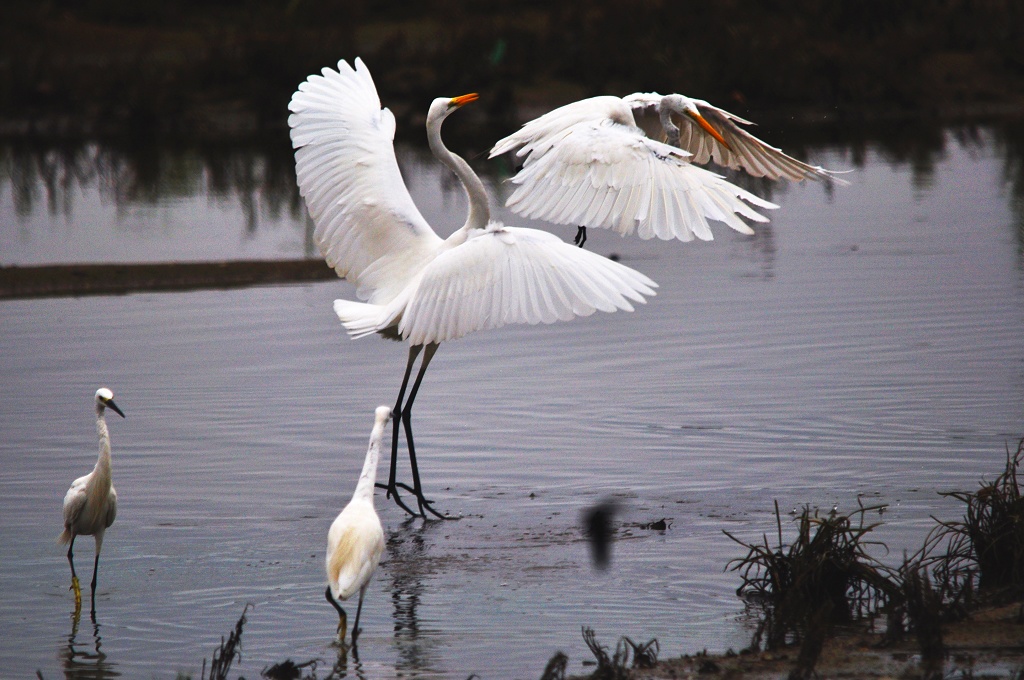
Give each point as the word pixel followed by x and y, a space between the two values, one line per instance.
pixel 355 541
pixel 91 503
pixel 417 286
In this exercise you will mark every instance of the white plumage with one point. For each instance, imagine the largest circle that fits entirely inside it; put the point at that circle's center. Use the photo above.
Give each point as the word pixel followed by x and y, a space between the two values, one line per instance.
pixel 90 505
pixel 413 284
pixel 355 541
pixel 598 163
pixel 676 117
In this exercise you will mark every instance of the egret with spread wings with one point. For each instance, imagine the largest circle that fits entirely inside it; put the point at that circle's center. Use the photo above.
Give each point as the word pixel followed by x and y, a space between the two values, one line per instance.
pixel 598 162
pixel 416 286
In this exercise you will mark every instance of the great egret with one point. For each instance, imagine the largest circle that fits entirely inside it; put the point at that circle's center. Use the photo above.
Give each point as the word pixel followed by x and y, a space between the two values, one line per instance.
pixel 417 286
pixel 597 163
pixel 90 505
pixel 355 541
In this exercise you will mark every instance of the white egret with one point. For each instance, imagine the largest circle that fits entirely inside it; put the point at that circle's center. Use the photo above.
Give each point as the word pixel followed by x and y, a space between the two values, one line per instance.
pixel 355 541
pixel 597 163
pixel 90 505
pixel 417 286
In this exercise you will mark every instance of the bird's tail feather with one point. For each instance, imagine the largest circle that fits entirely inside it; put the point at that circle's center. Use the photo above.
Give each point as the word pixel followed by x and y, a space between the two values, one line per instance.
pixel 359 318
pixel 65 536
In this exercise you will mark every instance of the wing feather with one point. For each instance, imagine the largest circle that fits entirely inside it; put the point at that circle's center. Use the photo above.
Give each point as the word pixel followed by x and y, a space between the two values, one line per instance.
pixel 611 176
pixel 747 153
pixel 510 275
pixel 367 226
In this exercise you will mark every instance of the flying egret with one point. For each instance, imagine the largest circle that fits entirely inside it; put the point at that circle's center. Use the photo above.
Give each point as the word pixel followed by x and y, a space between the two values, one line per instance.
pixel 417 286
pixel 355 541
pixel 597 162
pixel 90 505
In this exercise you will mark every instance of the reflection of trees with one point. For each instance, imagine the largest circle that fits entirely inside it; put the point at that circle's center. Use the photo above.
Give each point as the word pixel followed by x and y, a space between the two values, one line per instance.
pixel 260 179
pixel 1009 143
pixel 85 659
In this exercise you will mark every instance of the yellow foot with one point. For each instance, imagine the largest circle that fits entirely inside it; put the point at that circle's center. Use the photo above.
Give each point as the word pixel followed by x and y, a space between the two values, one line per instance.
pixel 78 592
pixel 342 628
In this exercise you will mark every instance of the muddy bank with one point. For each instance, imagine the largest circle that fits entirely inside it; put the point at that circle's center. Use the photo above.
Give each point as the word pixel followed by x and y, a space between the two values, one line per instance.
pixel 107 279
pixel 989 643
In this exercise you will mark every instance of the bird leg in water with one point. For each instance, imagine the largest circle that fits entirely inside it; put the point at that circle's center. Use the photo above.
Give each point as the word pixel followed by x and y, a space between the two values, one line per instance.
pixel 402 413
pixel 406 418
pixel 392 485
pixel 581 236
pixel 342 616
pixel 95 572
pixel 74 577
pixel 359 610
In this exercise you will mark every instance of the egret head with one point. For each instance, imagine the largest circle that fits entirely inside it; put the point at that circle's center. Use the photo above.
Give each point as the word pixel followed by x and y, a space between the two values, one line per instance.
pixel 687 107
pixel 442 107
pixel 105 398
pixel 383 414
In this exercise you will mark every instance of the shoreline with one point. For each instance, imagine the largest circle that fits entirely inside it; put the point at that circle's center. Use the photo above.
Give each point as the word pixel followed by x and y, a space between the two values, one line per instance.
pixel 76 280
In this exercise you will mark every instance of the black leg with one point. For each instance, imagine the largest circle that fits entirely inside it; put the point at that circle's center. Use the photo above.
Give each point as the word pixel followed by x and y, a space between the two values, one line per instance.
pixel 342 616
pixel 95 571
pixel 359 610
pixel 71 558
pixel 417 487
pixel 581 236
pixel 74 577
pixel 392 485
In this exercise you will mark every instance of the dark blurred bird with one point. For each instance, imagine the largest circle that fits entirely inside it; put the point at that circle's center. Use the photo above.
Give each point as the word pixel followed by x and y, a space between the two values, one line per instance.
pixel 600 532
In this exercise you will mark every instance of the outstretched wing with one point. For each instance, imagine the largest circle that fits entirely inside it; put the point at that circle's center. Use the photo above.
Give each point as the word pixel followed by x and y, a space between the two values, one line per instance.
pixel 506 275
pixel 607 175
pixel 535 137
pixel 746 152
pixel 367 226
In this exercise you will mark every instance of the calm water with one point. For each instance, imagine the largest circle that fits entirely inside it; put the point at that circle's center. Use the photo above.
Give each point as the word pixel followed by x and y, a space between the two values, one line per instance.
pixel 867 343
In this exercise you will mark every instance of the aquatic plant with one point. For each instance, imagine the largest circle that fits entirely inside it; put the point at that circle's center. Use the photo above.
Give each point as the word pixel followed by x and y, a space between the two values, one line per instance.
pixel 645 655
pixel 989 540
pixel 225 654
pixel 823 577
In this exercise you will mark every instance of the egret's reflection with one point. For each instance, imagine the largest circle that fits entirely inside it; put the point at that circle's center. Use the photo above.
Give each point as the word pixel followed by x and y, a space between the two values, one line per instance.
pixel 84 658
pixel 408 564
pixel 341 666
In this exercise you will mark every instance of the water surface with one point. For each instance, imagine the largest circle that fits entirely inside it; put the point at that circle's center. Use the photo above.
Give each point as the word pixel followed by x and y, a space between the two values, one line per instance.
pixel 866 344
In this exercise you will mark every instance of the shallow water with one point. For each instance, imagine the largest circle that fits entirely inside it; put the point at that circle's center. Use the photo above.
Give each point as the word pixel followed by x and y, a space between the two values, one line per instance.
pixel 865 344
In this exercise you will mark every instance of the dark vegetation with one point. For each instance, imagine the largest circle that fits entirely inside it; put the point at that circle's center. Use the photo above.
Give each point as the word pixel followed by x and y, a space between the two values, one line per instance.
pixel 824 585
pixel 226 68
pixel 825 578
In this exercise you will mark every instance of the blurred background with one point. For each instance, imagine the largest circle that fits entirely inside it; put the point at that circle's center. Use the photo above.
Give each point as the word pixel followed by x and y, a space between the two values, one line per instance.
pixel 226 68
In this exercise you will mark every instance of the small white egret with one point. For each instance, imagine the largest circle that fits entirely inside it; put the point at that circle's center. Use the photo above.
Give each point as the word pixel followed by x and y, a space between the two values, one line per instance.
pixel 355 541
pixel 417 286
pixel 598 162
pixel 90 505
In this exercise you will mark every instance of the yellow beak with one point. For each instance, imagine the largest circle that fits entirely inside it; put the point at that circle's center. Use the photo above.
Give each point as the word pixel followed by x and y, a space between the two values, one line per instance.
pixel 465 99
pixel 701 121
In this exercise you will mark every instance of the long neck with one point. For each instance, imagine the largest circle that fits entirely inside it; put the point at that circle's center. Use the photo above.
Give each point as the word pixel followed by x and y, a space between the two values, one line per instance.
pixel 103 462
pixel 667 124
pixel 479 211
pixel 367 478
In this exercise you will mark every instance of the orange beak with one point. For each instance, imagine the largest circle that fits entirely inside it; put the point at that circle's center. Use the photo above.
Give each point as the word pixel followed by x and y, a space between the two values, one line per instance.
pixel 701 121
pixel 465 99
